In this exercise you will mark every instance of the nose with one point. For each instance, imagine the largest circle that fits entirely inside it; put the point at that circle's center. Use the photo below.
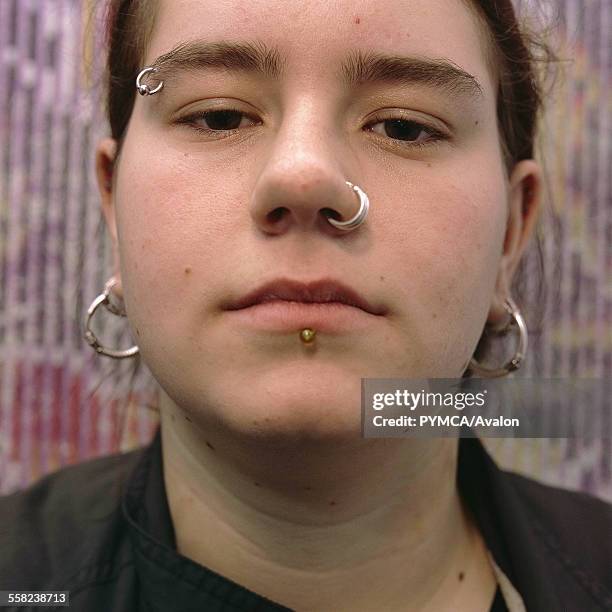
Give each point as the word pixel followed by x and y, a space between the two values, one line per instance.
pixel 302 184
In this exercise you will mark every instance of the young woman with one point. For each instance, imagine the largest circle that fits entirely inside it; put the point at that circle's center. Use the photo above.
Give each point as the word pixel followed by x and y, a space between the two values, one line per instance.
pixel 261 127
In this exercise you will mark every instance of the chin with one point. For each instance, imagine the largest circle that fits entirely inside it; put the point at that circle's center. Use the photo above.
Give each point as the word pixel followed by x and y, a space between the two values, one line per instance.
pixel 286 411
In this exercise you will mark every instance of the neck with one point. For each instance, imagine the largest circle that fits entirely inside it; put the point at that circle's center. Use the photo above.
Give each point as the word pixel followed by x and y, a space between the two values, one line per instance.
pixel 366 520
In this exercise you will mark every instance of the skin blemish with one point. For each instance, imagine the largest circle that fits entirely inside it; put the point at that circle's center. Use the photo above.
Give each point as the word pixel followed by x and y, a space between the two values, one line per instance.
pixel 210 445
pixel 382 278
pixel 188 270
pixel 357 20
pixel 137 332
pixel 461 576
pixel 429 165
pixel 332 503
pixel 475 122
pixel 257 484
pixel 188 419
pixel 434 315
pixel 308 488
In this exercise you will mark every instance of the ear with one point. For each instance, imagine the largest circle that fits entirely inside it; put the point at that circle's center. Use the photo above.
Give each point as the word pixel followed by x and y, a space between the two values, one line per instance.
pixel 524 203
pixel 106 152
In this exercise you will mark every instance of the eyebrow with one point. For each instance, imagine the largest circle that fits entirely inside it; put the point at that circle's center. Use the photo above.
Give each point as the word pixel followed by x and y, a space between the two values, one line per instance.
pixel 359 68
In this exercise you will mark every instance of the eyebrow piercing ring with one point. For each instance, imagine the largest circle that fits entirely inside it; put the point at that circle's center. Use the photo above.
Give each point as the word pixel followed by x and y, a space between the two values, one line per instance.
pixel 362 213
pixel 145 90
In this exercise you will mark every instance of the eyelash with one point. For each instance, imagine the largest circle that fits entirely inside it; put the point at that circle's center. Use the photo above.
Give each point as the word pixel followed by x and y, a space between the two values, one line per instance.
pixel 435 136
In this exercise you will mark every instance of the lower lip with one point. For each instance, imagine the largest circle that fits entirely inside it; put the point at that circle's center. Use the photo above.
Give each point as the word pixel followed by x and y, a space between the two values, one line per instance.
pixel 281 315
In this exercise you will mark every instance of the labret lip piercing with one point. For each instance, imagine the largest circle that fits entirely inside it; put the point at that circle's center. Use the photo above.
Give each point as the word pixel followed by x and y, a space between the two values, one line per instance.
pixel 307 335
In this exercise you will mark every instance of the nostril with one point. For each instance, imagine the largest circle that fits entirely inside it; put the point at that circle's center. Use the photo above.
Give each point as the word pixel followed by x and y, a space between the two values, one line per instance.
pixel 330 213
pixel 277 214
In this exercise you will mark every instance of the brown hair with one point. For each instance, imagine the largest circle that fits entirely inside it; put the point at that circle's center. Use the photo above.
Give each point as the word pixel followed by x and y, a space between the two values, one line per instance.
pixel 128 29
pixel 514 56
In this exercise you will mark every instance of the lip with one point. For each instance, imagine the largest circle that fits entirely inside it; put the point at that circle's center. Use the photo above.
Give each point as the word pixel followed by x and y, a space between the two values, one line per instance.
pixel 323 291
pixel 325 305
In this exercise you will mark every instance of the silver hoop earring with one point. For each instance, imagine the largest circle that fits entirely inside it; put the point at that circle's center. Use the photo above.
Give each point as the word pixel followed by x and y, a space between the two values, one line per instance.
pixel 145 90
pixel 516 322
pixel 362 213
pixel 104 300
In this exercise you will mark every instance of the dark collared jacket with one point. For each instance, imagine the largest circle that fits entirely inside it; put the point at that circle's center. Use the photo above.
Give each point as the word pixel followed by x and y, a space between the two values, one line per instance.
pixel 102 531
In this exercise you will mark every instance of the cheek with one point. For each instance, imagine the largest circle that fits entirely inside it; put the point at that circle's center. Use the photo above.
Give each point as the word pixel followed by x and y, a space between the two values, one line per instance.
pixel 467 249
pixel 447 251
pixel 172 239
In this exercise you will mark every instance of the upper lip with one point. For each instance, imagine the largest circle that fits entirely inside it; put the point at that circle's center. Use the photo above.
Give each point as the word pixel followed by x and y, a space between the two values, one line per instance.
pixel 319 291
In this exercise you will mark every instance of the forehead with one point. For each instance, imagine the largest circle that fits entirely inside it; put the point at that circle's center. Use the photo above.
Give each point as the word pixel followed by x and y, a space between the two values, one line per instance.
pixel 315 37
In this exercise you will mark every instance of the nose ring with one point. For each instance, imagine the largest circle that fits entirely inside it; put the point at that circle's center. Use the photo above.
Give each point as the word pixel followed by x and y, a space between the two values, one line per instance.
pixel 362 213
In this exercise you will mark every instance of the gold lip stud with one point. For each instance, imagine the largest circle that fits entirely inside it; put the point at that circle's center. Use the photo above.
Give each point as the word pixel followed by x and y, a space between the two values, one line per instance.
pixel 307 335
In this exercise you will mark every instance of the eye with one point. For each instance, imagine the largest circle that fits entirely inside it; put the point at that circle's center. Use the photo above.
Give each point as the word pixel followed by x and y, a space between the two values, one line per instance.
pixel 408 132
pixel 224 122
pixel 220 122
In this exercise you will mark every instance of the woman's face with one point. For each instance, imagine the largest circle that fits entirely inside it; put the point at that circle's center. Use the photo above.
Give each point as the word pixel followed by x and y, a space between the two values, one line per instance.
pixel 201 219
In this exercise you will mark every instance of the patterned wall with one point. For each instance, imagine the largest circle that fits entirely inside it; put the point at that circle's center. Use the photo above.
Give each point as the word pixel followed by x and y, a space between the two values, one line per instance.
pixel 60 403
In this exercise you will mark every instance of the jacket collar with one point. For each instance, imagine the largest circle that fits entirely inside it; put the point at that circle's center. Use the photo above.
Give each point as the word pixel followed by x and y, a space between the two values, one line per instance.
pixel 506 526
pixel 166 579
